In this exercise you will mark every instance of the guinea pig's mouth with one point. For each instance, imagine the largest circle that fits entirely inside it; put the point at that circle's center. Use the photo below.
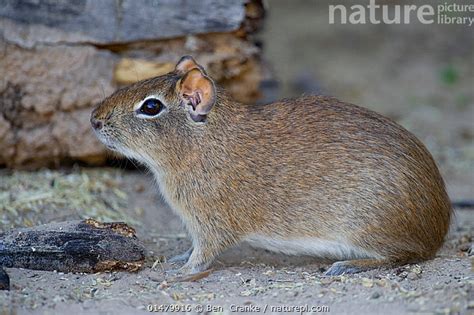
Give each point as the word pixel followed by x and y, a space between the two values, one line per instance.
pixel 111 146
pixel 114 145
pixel 105 139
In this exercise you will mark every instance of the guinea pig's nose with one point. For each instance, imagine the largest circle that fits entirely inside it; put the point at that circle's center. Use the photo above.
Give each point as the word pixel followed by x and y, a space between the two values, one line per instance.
pixel 96 123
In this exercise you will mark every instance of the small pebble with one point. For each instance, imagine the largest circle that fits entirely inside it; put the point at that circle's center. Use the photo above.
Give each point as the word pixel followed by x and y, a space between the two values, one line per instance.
pixel 326 281
pixel 438 286
pixel 156 277
pixel 470 305
pixel 375 295
pixel 464 247
pixel 412 276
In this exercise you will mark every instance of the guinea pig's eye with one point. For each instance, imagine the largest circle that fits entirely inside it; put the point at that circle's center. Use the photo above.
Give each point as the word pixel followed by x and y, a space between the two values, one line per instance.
pixel 151 107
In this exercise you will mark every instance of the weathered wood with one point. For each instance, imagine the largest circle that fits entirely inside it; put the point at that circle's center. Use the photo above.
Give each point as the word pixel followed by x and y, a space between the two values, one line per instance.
pixel 75 246
pixel 108 21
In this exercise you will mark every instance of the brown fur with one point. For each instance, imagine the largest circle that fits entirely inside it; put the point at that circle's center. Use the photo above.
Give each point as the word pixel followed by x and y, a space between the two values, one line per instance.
pixel 312 167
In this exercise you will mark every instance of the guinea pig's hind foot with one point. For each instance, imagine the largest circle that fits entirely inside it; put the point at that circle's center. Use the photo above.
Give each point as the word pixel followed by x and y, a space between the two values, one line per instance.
pixel 354 266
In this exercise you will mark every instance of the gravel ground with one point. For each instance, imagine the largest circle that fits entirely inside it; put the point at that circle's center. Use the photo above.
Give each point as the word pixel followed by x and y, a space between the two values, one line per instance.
pixel 242 277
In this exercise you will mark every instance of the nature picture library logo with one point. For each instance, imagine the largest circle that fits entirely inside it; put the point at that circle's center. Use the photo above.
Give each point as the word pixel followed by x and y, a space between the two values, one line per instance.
pixel 369 12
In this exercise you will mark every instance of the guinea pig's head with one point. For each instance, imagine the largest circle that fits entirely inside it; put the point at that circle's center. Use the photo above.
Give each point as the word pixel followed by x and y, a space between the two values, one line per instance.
pixel 151 119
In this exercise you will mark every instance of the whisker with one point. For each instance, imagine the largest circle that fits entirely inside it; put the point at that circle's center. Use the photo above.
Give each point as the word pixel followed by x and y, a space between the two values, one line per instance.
pixel 103 90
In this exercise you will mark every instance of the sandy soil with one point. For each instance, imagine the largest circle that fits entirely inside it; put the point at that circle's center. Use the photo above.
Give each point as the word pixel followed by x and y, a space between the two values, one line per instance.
pixel 244 277
pixel 422 76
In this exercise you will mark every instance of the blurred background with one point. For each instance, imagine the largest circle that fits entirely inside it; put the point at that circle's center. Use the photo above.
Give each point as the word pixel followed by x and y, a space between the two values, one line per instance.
pixel 422 76
pixel 59 58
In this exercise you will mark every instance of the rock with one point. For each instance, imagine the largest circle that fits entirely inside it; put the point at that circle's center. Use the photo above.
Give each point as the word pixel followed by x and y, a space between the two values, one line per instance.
pixel 130 70
pixel 58 59
pixel 368 283
pixel 412 276
pixel 464 247
pixel 109 21
pixel 46 98
pixel 470 305
pixel 231 61
pixel 375 295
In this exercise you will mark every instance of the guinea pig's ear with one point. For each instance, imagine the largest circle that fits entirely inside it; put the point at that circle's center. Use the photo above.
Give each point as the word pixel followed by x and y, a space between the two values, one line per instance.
pixel 187 63
pixel 198 93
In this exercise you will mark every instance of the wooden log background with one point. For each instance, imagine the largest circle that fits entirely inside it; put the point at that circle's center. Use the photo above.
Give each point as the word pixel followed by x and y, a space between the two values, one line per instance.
pixel 73 246
pixel 59 58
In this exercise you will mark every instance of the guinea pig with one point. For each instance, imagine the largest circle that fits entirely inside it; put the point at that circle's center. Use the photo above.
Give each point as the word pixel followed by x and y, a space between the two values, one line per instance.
pixel 307 176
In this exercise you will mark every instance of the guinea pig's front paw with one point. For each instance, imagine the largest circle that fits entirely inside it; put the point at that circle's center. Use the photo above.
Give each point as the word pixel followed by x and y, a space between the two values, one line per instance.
pixel 183 271
pixel 181 257
pixel 190 269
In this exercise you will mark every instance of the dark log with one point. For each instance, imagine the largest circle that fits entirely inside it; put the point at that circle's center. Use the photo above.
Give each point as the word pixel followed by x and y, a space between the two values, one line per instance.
pixel 74 246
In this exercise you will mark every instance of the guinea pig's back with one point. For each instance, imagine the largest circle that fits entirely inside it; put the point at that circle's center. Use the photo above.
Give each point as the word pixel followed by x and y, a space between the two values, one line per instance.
pixel 361 172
